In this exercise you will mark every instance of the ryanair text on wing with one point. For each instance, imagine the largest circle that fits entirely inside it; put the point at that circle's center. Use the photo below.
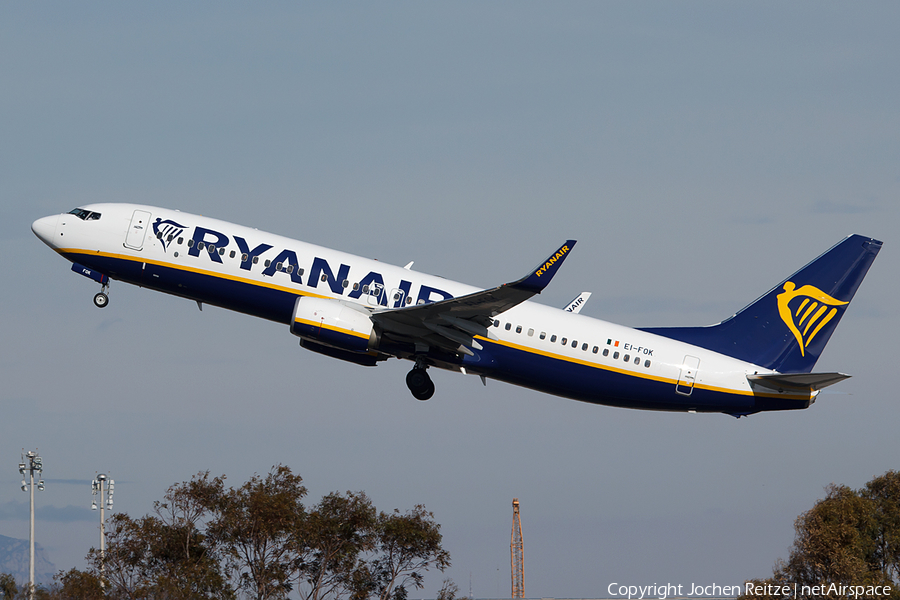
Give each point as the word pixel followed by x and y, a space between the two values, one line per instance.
pixel 562 251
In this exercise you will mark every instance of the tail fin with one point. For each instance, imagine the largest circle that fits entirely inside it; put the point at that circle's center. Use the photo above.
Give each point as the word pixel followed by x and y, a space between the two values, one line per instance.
pixel 787 328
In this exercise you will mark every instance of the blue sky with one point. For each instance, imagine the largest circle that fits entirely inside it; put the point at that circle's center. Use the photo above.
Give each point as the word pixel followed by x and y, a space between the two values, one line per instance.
pixel 699 152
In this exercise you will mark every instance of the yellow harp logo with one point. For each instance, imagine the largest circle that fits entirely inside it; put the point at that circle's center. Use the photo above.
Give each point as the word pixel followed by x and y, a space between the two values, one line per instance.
pixel 809 312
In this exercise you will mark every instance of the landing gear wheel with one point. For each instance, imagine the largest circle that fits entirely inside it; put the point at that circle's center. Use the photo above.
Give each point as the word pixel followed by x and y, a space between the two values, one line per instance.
pixel 420 384
pixel 101 300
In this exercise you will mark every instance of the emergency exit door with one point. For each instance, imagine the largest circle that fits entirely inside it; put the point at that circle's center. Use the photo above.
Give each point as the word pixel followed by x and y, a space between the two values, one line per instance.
pixel 140 221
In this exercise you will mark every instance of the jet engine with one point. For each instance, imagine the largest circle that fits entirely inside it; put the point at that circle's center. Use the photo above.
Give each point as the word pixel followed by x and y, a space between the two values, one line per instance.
pixel 335 324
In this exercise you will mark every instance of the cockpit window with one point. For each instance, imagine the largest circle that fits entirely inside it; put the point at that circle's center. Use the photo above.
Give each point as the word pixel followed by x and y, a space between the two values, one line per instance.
pixel 85 215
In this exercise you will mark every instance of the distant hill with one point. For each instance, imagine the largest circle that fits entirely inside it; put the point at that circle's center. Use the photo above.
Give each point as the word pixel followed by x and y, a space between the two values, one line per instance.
pixel 14 560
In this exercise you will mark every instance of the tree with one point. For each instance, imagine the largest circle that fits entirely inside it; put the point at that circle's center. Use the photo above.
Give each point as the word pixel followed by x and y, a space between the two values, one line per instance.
pixel 331 539
pixel 78 584
pixel 259 541
pixel 254 526
pixel 149 558
pixel 8 587
pixel 884 493
pixel 848 538
pixel 407 544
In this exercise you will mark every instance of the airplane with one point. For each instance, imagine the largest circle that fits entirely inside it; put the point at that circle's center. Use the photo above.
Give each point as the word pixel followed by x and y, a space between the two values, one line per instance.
pixel 365 311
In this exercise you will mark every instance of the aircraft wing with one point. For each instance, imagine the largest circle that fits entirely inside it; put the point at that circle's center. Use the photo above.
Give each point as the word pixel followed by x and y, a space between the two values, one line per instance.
pixel 452 323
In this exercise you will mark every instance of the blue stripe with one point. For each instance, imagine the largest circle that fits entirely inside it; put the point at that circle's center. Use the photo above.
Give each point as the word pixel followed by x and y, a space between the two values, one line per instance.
pixel 519 367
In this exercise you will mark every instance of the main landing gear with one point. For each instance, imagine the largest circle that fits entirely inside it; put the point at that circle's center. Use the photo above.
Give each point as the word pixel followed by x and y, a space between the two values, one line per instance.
pixel 101 299
pixel 419 383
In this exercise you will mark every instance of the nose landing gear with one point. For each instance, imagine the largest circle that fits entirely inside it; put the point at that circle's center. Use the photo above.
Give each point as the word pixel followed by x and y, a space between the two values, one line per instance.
pixel 419 383
pixel 101 299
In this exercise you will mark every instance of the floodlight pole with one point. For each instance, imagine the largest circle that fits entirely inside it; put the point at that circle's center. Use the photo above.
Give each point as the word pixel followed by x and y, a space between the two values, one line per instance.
pixel 31 535
pixel 34 463
pixel 99 485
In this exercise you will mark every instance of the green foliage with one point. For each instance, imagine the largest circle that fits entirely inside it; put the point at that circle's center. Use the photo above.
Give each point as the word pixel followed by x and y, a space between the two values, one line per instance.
pixel 851 537
pixel 8 587
pixel 254 527
pixel 407 544
pixel 259 541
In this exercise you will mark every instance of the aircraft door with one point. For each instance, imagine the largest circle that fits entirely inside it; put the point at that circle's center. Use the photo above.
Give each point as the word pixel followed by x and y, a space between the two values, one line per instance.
pixel 140 221
pixel 688 375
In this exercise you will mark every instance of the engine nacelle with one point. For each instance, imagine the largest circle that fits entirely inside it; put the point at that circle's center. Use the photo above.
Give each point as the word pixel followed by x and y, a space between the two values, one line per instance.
pixel 334 323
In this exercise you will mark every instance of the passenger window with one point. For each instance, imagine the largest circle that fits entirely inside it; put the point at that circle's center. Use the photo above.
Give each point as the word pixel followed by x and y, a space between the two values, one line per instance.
pixel 268 262
pixel 211 248
pixel 530 332
pixel 278 266
pixel 190 243
pixel 365 287
pixel 615 355
pixel 290 269
pixel 231 255
pixel 346 283
pixel 574 343
pixel 508 326
pixel 606 352
pixel 300 271
pixel 201 245
pixel 355 286
pixel 626 358
pixel 496 323
pixel 543 335
pixel 222 252
pixel 159 235
pixel 637 360
pixel 584 347
pixel 409 299
pixel 564 341
pixel 595 349
pixel 553 338
pixel 647 363
pixel 324 277
pixel 180 241
pixel 255 260
pixel 518 329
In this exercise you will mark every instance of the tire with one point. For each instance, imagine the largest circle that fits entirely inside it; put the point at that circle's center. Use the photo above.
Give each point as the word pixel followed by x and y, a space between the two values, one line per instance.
pixel 420 384
pixel 101 300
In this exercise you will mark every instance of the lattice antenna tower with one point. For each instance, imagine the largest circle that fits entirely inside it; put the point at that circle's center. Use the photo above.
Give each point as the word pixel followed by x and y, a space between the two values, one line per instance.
pixel 517 554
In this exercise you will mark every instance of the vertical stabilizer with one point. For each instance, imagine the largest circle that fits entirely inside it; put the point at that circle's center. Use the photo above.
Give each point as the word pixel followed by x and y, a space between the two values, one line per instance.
pixel 787 328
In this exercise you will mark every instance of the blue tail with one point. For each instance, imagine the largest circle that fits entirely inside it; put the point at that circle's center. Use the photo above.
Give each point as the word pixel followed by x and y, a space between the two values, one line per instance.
pixel 787 328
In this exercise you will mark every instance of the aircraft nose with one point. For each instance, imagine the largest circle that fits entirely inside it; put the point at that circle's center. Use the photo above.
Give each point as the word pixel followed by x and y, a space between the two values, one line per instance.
pixel 45 229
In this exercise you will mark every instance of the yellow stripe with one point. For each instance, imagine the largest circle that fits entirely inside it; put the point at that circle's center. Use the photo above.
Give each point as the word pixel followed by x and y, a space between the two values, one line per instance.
pixel 331 328
pixel 638 375
pixel 502 343
pixel 811 308
pixel 813 320
pixel 822 324
pixel 177 267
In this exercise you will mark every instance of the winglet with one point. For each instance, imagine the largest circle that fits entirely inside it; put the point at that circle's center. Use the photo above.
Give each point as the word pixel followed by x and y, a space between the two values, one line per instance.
pixel 540 277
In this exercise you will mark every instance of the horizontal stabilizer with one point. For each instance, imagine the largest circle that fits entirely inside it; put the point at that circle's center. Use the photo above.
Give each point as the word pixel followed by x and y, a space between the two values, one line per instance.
pixel 812 382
